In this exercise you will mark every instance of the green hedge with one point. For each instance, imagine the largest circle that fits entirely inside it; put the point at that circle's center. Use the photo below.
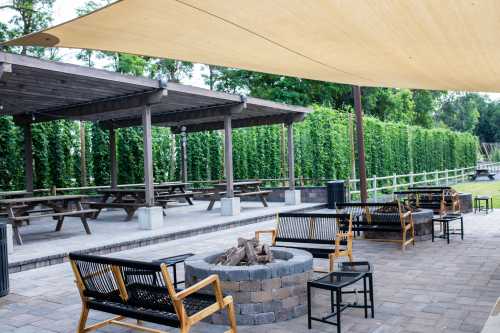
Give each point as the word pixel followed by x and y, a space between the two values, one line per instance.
pixel 322 150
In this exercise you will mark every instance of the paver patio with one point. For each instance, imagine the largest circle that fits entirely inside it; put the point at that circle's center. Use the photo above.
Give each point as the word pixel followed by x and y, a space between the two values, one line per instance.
pixel 40 240
pixel 433 287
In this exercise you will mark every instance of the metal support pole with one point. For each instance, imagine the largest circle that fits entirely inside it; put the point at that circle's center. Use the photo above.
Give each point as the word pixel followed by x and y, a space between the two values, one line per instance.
pixel 291 157
pixel 148 156
pixel 112 158
pixel 228 148
pixel 184 174
pixel 83 157
pixel 361 144
pixel 28 158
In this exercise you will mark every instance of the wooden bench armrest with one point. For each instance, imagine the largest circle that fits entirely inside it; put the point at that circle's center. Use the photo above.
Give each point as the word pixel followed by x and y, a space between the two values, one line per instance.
pixel 211 280
pixel 269 231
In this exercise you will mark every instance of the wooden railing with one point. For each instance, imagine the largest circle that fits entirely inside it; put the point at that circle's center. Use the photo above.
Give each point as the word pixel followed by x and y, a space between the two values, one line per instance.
pixel 376 185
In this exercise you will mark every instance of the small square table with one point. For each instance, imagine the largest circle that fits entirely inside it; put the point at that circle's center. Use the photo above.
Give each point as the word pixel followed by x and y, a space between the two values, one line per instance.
pixel 173 262
pixel 335 282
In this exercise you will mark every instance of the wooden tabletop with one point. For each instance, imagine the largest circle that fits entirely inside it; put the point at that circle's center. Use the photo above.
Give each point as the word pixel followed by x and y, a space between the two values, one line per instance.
pixel 245 183
pixel 42 199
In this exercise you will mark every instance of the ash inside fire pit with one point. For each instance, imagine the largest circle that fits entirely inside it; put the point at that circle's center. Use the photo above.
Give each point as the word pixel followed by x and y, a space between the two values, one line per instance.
pixel 248 252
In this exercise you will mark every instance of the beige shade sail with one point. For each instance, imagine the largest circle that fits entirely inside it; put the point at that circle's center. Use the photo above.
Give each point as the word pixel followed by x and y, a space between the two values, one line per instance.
pixel 428 44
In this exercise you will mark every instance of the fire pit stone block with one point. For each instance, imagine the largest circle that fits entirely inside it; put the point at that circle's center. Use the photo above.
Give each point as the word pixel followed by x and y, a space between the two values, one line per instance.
pixel 262 294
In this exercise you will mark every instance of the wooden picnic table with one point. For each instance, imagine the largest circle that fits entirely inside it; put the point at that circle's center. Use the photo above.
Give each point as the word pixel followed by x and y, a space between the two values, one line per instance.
pixel 241 189
pixel 483 173
pixel 22 210
pixel 131 199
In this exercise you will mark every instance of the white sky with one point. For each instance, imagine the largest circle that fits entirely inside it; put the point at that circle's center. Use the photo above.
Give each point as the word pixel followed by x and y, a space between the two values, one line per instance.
pixel 65 10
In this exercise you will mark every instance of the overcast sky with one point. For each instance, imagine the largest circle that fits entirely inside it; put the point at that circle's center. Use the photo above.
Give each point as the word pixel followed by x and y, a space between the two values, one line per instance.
pixel 65 10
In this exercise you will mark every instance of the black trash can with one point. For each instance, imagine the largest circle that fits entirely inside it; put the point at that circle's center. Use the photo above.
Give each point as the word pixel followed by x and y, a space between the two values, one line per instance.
pixel 4 263
pixel 335 193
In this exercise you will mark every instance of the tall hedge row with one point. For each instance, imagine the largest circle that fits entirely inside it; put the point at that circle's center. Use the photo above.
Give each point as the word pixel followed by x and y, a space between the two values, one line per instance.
pixel 322 150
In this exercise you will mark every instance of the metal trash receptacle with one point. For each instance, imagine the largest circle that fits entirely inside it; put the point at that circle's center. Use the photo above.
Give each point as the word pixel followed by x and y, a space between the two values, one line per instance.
pixel 335 193
pixel 4 262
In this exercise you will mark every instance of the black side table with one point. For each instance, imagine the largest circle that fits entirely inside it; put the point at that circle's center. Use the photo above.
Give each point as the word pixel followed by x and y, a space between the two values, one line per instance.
pixel 360 267
pixel 445 222
pixel 173 262
pixel 487 199
pixel 334 282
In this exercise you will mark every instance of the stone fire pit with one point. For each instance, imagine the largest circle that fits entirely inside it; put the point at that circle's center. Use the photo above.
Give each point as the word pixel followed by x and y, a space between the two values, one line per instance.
pixel 262 293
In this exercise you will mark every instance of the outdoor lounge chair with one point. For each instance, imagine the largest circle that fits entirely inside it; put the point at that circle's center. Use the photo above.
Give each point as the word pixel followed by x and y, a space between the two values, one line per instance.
pixel 327 236
pixel 143 291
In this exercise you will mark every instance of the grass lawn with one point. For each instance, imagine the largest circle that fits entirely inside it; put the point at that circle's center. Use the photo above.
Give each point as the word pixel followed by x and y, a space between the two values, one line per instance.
pixel 482 188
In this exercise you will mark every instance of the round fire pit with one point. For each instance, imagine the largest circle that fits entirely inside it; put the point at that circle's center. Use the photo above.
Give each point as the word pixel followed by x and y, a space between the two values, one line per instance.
pixel 262 294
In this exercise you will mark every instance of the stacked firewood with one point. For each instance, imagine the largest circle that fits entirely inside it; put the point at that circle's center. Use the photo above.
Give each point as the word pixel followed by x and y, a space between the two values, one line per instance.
pixel 248 252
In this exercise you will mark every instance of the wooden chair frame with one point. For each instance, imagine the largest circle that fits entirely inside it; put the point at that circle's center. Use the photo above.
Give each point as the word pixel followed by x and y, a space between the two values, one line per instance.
pixel 337 253
pixel 407 226
pixel 186 321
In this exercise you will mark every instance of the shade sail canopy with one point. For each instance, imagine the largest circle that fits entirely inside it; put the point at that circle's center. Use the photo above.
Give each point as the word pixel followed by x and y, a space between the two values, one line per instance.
pixel 34 90
pixel 429 44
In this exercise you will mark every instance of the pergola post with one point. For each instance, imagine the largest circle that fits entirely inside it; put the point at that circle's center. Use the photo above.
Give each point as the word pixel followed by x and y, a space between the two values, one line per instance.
pixel 150 217
pixel 112 158
pixel 229 205
pixel 28 158
pixel 184 174
pixel 292 196
pixel 361 143
pixel 83 157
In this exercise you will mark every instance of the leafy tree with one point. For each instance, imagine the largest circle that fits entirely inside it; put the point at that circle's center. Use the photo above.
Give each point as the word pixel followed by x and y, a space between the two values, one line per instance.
pixel 29 16
pixel 460 111
pixel 426 105
pixel 389 104
pixel 173 70
pixel 9 154
pixel 488 127
pixel 278 88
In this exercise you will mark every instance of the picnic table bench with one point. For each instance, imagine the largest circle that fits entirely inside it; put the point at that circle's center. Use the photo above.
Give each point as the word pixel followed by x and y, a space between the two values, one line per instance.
pixel 327 236
pixel 131 199
pixel 381 218
pixel 241 189
pixel 20 210
pixel 483 173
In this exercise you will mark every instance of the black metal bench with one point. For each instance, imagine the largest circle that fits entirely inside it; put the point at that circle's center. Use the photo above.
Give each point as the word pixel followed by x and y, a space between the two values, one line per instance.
pixel 380 217
pixel 443 200
pixel 143 291
pixel 327 236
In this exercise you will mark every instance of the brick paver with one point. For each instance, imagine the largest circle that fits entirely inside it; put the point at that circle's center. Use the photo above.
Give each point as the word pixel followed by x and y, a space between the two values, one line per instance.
pixel 433 287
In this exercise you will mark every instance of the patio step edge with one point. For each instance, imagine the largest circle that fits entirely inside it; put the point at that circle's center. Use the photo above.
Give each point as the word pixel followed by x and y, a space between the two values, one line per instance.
pixel 25 265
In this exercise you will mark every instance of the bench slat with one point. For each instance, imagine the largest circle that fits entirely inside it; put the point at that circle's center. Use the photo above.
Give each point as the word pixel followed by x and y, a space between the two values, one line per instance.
pixel 71 213
pixel 246 194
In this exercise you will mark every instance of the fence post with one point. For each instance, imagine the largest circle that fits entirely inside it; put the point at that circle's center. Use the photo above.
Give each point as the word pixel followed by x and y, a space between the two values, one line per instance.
pixel 411 178
pixel 425 177
pixel 374 187
pixel 436 178
pixel 463 175
pixel 394 183
pixel 446 176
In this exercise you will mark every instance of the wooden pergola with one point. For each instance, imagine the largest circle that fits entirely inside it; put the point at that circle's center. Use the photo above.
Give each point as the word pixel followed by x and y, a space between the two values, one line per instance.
pixel 34 91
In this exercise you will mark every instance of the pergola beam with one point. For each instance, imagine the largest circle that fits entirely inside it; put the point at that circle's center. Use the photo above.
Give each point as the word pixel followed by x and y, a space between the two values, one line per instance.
pixel 176 118
pixel 95 107
pixel 244 122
